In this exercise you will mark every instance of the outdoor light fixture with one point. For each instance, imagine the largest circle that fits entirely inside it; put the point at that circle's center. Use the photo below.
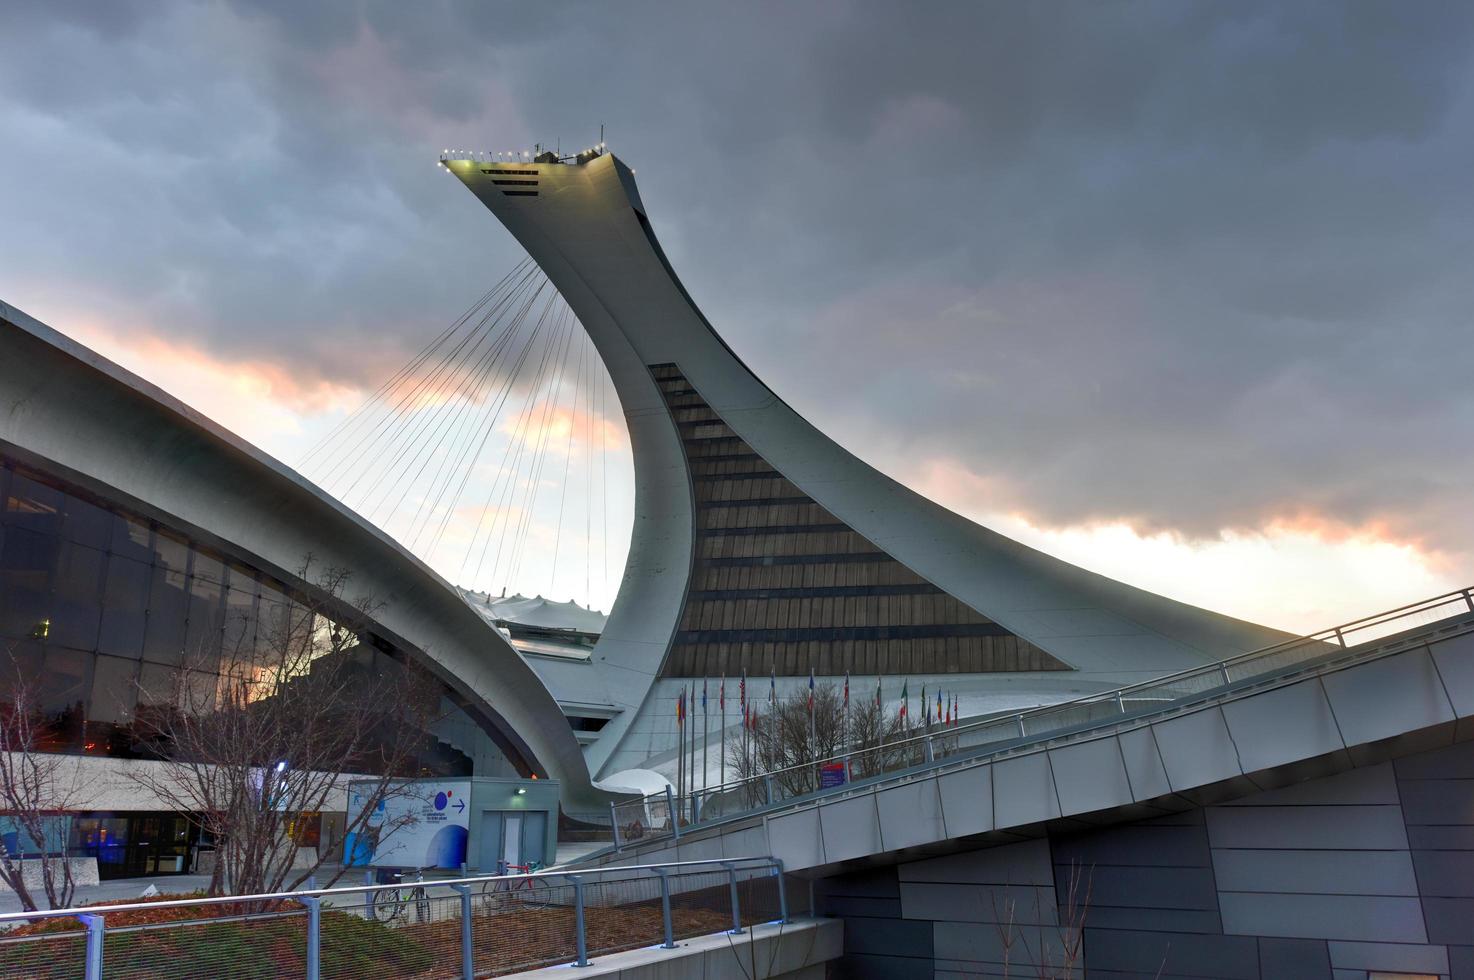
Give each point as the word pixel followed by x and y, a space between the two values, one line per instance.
pixel 521 790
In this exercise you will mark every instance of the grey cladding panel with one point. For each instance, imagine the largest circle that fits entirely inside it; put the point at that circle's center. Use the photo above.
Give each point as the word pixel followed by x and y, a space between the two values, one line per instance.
pixel 1143 764
pixel 967 800
pixel 1025 863
pixel 1197 749
pixel 1322 916
pixel 1450 920
pixel 1280 726
pixel 1028 904
pixel 1023 791
pixel 1166 888
pixel 1387 697
pixel 1325 872
pixel 1154 920
pixel 850 827
pixel 1446 874
pixel 888 937
pixel 1145 954
pixel 1090 776
pixel 910 814
pixel 1294 959
pixel 1438 801
pixel 1307 827
pixel 1455 661
pixel 1393 957
pixel 1136 845
pixel 1366 785
pixel 1451 762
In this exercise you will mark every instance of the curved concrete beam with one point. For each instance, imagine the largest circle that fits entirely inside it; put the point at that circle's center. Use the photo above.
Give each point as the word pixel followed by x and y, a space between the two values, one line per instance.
pixel 71 408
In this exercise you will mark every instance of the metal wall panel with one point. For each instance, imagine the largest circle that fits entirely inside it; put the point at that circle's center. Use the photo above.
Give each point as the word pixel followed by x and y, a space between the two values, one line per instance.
pixel 1090 776
pixel 1387 697
pixel 1023 790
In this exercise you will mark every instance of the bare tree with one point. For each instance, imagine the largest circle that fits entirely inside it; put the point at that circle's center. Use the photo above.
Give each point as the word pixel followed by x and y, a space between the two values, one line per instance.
pixel 279 724
pixel 789 740
pixel 39 791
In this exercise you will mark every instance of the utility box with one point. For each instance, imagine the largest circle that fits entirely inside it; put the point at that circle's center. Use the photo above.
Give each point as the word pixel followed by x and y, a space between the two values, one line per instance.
pixel 483 823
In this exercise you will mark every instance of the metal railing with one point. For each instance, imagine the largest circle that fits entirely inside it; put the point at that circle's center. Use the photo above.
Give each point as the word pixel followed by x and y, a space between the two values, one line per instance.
pixel 665 814
pixel 454 927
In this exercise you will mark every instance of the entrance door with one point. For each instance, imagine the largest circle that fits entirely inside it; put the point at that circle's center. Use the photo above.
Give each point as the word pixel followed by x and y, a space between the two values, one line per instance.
pixel 512 838
pixel 490 845
pixel 534 834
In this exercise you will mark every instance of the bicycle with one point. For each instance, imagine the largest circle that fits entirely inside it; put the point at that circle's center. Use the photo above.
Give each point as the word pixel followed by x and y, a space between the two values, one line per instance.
pixel 392 902
pixel 499 893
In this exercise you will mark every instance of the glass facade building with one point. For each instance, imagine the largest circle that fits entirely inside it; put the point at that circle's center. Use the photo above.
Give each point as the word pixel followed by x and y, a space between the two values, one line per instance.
pixel 100 607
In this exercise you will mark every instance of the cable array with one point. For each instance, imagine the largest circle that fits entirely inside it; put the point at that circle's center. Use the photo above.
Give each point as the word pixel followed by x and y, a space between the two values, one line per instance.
pixel 463 453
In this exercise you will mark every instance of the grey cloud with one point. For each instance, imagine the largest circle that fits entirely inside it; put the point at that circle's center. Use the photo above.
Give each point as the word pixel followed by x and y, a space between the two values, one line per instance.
pixel 1198 266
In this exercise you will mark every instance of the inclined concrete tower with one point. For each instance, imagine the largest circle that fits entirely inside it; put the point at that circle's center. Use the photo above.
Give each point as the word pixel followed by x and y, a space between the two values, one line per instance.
pixel 759 543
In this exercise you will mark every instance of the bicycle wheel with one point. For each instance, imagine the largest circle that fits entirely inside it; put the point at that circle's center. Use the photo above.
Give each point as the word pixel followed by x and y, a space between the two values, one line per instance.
pixel 494 896
pixel 389 904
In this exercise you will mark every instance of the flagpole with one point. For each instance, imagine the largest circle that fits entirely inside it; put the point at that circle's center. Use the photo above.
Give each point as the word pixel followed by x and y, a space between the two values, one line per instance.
pixel 722 701
pixel 705 738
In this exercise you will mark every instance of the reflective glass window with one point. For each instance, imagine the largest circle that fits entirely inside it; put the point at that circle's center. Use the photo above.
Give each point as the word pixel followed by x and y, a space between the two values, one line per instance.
pixel 167 604
pixel 31 504
pixel 76 605
pixel 114 690
pixel 66 680
pixel 240 617
pixel 132 538
pixel 124 607
pixel 85 522
pixel 206 617
pixel 26 561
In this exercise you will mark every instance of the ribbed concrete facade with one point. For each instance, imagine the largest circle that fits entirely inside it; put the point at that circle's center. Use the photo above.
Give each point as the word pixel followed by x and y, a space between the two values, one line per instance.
pixel 1366 871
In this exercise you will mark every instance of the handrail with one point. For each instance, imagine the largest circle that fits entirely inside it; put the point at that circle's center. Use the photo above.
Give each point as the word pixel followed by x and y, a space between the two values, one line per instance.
pixel 586 873
pixel 1334 637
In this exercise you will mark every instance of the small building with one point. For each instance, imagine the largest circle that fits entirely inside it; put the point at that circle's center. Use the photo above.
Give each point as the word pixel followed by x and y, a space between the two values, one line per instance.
pixel 486 824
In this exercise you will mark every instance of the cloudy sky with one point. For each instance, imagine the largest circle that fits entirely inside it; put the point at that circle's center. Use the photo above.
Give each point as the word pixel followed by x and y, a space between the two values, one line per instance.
pixel 1179 291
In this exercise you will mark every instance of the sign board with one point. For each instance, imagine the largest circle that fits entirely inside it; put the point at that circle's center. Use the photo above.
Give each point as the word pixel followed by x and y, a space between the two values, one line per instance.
pixel 831 774
pixel 424 827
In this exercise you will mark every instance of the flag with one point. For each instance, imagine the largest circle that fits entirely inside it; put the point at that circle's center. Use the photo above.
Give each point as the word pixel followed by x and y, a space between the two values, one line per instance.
pixel 956 710
pixel 681 708
pixel 772 686
pixel 811 690
pixel 847 690
pixel 939 705
pixel 722 694
pixel 925 706
pixel 877 692
pixel 703 695
pixel 904 685
pixel 742 693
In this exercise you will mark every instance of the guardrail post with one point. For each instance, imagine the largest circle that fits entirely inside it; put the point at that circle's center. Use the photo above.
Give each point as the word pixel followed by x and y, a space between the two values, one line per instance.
pixel 580 936
pixel 1340 639
pixel 1120 702
pixel 768 788
pixel 929 753
pixel 1020 720
pixel 1223 669
pixel 614 825
pixel 736 907
pixel 95 930
pixel 468 955
pixel 782 891
pixel 314 935
pixel 670 936
pixel 670 808
pixel 1469 598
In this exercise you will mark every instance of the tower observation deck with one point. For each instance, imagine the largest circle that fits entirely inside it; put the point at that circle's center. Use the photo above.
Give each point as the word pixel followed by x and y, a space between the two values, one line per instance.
pixel 759 543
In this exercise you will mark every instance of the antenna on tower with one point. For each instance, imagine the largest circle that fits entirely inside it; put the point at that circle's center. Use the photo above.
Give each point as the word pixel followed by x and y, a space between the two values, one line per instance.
pixel 601 134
